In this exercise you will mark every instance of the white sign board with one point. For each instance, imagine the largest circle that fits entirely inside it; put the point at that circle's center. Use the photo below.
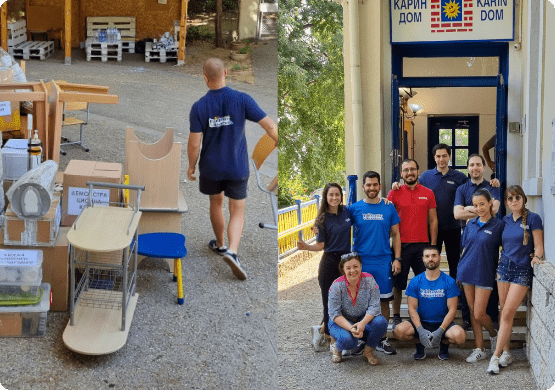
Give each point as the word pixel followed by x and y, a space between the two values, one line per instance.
pixel 19 258
pixel 77 199
pixel 5 109
pixel 451 20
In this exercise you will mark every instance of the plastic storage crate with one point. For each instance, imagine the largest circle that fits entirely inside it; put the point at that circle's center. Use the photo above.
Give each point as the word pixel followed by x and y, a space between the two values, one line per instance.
pixel 15 158
pixel 20 274
pixel 26 321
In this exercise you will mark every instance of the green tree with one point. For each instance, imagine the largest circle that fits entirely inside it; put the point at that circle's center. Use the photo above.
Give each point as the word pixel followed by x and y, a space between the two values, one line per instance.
pixel 311 103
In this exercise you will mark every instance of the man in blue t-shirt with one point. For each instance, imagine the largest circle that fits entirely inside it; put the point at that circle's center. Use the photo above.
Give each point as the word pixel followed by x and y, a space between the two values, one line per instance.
pixel 432 300
pixel 373 223
pixel 217 120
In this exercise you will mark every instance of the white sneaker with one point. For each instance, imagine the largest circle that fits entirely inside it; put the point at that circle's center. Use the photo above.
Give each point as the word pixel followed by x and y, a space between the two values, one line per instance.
pixel 493 367
pixel 476 355
pixel 493 343
pixel 505 359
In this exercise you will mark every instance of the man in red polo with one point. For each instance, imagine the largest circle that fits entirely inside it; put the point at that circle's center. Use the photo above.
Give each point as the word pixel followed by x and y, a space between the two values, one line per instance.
pixel 416 206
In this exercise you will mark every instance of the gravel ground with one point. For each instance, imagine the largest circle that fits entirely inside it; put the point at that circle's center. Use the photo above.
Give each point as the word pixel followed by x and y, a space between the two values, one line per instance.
pixel 225 335
pixel 299 367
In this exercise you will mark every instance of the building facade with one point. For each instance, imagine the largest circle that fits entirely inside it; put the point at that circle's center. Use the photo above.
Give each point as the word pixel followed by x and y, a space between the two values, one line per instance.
pixel 412 79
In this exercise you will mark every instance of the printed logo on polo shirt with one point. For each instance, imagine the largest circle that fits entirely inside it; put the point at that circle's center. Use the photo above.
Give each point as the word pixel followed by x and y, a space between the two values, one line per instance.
pixel 348 219
pixel 450 182
pixel 372 217
pixel 219 122
pixel 488 231
pixel 422 197
pixel 427 293
pixel 524 227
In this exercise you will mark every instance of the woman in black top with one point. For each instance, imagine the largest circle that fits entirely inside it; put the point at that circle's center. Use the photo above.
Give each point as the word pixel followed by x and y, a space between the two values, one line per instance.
pixel 334 237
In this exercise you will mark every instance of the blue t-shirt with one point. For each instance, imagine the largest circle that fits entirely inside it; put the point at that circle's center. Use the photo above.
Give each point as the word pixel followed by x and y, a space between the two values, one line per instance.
pixel 432 295
pixel 444 188
pixel 513 234
pixel 220 116
pixel 336 232
pixel 372 223
pixel 480 252
pixel 463 196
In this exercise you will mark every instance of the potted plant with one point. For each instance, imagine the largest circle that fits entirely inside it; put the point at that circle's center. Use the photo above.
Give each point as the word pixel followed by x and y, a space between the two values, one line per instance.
pixel 241 54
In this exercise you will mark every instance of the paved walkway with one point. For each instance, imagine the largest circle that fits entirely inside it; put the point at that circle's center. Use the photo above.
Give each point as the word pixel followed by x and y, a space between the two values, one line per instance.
pixel 299 304
pixel 225 336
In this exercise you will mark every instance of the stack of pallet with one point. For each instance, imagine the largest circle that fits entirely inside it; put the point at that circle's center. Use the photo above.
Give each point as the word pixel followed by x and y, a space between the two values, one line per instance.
pixel 19 47
pixel 124 24
pixel 159 53
pixel 103 50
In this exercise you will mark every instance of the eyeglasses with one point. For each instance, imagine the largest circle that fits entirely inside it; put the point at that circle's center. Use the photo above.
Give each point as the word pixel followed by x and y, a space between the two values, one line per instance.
pixel 349 255
pixel 409 170
pixel 516 198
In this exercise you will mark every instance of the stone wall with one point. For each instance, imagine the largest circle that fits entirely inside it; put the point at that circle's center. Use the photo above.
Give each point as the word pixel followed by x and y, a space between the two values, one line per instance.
pixel 540 345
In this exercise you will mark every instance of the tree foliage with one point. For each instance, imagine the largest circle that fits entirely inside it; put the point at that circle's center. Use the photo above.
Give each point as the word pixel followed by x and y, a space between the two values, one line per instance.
pixel 310 91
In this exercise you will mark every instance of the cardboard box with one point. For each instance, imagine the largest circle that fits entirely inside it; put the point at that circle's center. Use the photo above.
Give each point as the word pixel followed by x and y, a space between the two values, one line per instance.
pixel 55 268
pixel 9 111
pixel 33 232
pixel 75 194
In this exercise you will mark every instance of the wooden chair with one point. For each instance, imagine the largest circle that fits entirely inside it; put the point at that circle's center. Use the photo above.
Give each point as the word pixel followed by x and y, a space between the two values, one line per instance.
pixel 75 121
pixel 262 150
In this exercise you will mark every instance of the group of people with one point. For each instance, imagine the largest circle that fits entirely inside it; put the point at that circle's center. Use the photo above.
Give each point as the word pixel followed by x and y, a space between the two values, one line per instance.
pixel 407 231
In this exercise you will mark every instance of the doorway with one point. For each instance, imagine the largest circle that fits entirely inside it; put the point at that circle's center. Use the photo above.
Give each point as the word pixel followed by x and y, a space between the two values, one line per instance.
pixel 461 133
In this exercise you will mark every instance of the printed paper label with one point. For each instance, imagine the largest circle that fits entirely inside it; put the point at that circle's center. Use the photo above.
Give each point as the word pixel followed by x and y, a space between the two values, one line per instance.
pixel 78 197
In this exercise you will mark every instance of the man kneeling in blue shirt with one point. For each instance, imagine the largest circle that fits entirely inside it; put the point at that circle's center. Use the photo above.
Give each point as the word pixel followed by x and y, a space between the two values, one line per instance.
pixel 432 300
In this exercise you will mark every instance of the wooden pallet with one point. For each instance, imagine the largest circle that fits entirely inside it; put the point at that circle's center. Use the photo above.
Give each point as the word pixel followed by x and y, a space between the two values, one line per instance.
pixel 33 50
pixel 128 46
pixel 161 55
pixel 125 25
pixel 17 33
pixel 103 50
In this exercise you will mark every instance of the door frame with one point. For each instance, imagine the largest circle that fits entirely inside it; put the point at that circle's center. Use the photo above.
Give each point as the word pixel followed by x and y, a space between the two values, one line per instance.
pixel 454 49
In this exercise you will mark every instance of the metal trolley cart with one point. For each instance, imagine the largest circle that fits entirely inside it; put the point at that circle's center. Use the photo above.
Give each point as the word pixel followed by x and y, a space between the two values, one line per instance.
pixel 102 297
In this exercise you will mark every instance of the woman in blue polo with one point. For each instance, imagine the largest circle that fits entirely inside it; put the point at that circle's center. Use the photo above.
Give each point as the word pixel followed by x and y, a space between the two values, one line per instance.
pixel 522 249
pixel 476 270
pixel 334 237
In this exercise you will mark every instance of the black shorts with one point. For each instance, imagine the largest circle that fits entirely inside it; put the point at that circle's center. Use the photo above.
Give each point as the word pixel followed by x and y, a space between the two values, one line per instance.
pixel 411 257
pixel 431 326
pixel 234 189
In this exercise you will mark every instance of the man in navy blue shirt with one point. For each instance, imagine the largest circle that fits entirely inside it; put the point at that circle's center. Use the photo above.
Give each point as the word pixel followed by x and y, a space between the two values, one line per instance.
pixel 444 181
pixel 217 120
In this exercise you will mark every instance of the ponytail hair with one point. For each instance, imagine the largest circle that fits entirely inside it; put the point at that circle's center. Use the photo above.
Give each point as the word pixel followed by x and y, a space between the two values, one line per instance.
pixel 517 190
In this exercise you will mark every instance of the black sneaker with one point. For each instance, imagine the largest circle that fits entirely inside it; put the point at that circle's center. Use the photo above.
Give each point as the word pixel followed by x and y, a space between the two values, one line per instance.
pixel 221 250
pixel 396 320
pixel 443 351
pixel 420 352
pixel 233 261
pixel 385 347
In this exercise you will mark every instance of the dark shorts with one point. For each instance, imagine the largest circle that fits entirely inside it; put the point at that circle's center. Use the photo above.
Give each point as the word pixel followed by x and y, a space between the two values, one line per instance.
pixel 234 189
pixel 508 272
pixel 411 255
pixel 431 326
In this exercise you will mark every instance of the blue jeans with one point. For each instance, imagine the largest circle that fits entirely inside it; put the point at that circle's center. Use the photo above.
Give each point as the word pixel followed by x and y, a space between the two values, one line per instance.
pixel 373 332
pixel 509 272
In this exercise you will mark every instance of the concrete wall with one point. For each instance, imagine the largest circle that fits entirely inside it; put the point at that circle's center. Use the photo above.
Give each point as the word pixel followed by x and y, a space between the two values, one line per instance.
pixel 541 340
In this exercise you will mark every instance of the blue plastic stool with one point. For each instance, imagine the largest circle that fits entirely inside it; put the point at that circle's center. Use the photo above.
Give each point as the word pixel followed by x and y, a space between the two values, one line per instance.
pixel 166 246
